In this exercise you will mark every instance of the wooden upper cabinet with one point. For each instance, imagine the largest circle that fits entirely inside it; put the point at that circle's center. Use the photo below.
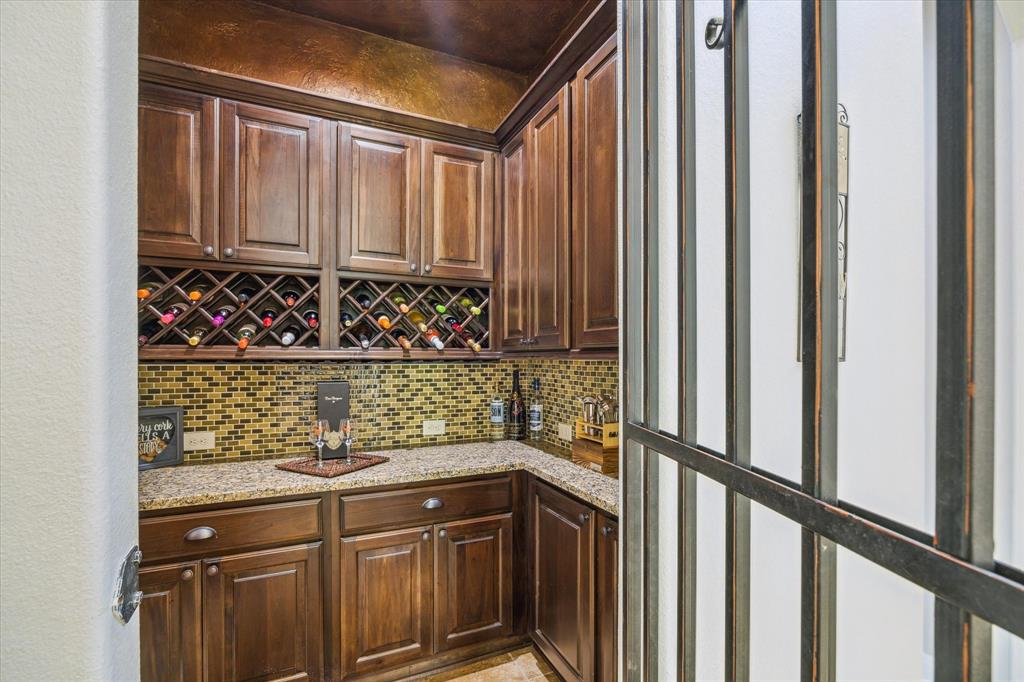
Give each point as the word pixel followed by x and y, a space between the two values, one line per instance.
pixel 271 185
pixel 458 211
pixel 170 623
pixel 515 254
pixel 177 173
pixel 547 156
pixel 378 201
pixel 474 581
pixel 595 270
pixel 263 616
pixel 563 595
pixel 386 598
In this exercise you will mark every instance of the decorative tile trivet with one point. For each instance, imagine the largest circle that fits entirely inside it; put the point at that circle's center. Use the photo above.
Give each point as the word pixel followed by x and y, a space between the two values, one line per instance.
pixel 331 467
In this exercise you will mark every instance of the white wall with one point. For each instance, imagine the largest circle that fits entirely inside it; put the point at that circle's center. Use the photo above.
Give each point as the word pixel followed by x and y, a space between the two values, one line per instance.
pixel 68 390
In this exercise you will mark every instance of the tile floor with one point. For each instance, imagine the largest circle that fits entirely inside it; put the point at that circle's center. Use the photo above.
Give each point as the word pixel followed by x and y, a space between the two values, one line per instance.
pixel 514 666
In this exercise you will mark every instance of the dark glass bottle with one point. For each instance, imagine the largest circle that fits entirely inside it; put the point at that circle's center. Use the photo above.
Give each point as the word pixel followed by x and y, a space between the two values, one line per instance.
pixel 290 335
pixel 268 316
pixel 363 335
pixel 516 411
pixel 245 295
pixel 171 313
pixel 148 330
pixel 398 334
pixel 438 306
pixel 222 314
pixel 453 323
pixel 290 297
pixel 364 301
pixel 346 319
pixel 312 317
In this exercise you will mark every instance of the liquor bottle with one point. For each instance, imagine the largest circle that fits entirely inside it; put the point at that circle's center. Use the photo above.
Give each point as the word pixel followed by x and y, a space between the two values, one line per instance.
pixel 197 335
pixel 434 339
pixel 222 314
pixel 364 301
pixel 516 411
pixel 453 323
pixel 245 334
pixel 146 289
pixel 364 337
pixel 536 413
pixel 400 301
pixel 438 306
pixel 497 426
pixel 290 297
pixel 383 320
pixel 467 303
pixel 196 291
pixel 170 314
pixel 268 316
pixel 346 319
pixel 470 341
pixel 312 317
pixel 245 295
pixel 148 330
pixel 398 334
pixel 416 317
pixel 290 335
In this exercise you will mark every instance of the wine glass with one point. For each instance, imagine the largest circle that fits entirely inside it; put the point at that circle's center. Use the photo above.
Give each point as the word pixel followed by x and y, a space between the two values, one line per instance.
pixel 345 427
pixel 317 431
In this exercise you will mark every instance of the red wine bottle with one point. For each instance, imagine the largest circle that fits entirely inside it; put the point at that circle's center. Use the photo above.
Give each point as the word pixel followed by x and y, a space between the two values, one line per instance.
pixel 364 301
pixel 222 314
pixel 453 323
pixel 290 297
pixel 312 318
pixel 245 295
pixel 147 331
pixel 171 313
pixel 268 316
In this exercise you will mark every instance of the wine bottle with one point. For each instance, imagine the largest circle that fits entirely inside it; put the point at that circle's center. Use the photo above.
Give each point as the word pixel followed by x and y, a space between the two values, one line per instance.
pixel 222 314
pixel 364 301
pixel 290 335
pixel 170 314
pixel 245 295
pixel 146 289
pixel 536 413
pixel 197 335
pixel 245 334
pixel 148 330
pixel 516 411
pixel 453 323
pixel 467 303
pixel 416 317
pixel 346 319
pixel 398 334
pixel 383 320
pixel 497 424
pixel 268 316
pixel 312 317
pixel 438 306
pixel 400 301
pixel 470 341
pixel 290 297
pixel 196 291
pixel 364 337
pixel 434 339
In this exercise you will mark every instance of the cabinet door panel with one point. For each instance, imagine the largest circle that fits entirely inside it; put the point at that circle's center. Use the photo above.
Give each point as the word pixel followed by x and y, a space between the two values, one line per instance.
pixel 379 201
pixel 170 627
pixel 177 173
pixel 458 211
pixel 386 599
pixel 474 581
pixel 606 577
pixel 547 151
pixel 563 589
pixel 263 616
pixel 595 271
pixel 515 252
pixel 271 185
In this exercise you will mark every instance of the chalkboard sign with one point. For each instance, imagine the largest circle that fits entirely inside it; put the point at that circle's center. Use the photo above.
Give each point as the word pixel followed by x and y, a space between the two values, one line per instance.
pixel 160 437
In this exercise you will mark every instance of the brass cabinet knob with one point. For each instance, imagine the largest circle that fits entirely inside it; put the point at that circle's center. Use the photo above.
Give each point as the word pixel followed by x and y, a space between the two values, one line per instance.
pixel 187 574
pixel 212 570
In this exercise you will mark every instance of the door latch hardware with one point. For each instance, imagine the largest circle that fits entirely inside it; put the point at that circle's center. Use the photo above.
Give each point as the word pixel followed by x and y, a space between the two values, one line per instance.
pixel 127 595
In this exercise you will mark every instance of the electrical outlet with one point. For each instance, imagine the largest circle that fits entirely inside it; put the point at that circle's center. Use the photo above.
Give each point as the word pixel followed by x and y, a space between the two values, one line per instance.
pixel 565 431
pixel 199 440
pixel 433 427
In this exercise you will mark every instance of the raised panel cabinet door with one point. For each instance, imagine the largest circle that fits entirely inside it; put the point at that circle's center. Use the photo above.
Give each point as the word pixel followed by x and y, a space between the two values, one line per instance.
pixel 547 156
pixel 271 181
pixel 473 599
pixel 606 577
pixel 563 591
pixel 594 263
pixel 177 173
pixel 514 279
pixel 263 615
pixel 386 599
pixel 170 623
pixel 378 201
pixel 458 211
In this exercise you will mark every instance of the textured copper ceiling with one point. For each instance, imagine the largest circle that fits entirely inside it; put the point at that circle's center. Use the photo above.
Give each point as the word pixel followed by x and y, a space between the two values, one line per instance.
pixel 516 35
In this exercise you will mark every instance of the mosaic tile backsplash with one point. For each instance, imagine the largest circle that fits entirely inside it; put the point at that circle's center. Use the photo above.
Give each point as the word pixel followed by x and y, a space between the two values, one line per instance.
pixel 261 410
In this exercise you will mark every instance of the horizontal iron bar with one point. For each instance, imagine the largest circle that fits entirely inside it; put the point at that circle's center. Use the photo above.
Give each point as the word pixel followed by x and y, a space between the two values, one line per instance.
pixel 984 593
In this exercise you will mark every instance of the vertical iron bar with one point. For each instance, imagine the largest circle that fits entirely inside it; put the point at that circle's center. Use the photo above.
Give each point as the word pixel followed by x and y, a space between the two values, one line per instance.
pixel 687 377
pixel 737 336
pixel 819 286
pixel 965 318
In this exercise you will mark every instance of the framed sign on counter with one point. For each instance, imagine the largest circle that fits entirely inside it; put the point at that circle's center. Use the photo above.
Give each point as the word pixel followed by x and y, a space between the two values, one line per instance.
pixel 160 437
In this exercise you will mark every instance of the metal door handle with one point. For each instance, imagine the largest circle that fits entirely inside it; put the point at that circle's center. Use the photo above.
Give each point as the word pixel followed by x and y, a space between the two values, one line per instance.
pixel 714 33
pixel 200 533
pixel 433 503
pixel 606 531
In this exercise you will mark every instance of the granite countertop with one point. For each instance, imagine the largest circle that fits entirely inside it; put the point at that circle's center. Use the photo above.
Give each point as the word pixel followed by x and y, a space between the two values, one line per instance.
pixel 186 486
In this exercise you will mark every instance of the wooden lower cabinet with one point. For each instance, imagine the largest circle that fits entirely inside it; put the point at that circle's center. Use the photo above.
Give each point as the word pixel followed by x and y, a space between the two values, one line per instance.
pixel 606 604
pixel 386 599
pixel 170 618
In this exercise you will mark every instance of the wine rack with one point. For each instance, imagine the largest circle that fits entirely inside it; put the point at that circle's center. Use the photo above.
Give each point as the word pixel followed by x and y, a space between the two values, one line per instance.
pixel 472 317
pixel 242 295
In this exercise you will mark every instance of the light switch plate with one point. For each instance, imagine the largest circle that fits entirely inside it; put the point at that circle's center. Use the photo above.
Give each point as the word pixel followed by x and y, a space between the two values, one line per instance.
pixel 565 431
pixel 199 440
pixel 433 427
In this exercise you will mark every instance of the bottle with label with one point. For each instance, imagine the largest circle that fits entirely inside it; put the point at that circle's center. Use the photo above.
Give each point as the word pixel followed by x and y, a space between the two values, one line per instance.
pixel 416 317
pixel 291 297
pixel 434 339
pixel 312 317
pixel 290 335
pixel 516 411
pixel 197 335
pixel 245 334
pixel 496 431
pixel 536 413
pixel 147 330
pixel 222 314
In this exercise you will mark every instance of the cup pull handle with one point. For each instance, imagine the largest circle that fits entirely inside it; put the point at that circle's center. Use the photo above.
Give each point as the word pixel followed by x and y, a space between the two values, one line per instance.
pixel 433 503
pixel 200 533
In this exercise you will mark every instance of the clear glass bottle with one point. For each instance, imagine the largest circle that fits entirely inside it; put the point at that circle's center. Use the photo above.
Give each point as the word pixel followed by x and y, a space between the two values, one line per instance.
pixel 496 431
pixel 536 415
